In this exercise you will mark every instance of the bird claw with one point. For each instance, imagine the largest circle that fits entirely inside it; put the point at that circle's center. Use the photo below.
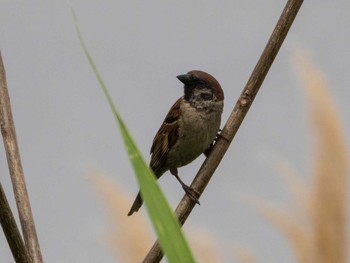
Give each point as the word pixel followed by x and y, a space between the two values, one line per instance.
pixel 192 193
pixel 219 135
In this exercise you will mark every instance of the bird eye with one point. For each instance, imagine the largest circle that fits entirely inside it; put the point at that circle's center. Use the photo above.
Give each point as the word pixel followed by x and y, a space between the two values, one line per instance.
pixel 207 96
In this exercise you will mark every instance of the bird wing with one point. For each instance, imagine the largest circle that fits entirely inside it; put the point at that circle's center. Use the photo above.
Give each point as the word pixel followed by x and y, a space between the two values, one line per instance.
pixel 165 138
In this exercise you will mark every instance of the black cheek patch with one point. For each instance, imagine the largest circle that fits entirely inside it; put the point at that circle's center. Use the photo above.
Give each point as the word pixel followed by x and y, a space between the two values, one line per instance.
pixel 188 92
pixel 207 96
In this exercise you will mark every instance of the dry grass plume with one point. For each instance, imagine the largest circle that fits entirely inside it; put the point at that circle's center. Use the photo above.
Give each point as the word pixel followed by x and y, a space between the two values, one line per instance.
pixel 316 227
pixel 130 238
pixel 330 168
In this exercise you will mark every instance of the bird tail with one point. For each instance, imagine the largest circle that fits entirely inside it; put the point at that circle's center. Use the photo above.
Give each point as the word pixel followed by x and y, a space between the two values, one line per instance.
pixel 138 201
pixel 136 205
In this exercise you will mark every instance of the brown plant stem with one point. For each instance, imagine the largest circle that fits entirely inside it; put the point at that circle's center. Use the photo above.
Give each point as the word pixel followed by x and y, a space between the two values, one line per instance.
pixel 11 231
pixel 237 115
pixel 16 172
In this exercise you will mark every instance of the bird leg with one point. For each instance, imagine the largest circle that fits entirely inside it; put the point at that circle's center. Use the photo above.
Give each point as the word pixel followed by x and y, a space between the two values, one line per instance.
pixel 193 194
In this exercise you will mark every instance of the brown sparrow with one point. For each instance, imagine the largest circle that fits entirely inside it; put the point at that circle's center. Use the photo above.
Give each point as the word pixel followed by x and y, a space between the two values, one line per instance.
pixel 188 130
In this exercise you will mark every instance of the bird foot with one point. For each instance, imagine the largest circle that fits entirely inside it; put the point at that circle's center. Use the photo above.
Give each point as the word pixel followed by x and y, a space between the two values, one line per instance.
pixel 220 136
pixel 191 193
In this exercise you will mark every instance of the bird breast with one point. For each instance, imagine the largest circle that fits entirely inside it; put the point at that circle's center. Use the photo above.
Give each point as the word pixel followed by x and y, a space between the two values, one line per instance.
pixel 198 129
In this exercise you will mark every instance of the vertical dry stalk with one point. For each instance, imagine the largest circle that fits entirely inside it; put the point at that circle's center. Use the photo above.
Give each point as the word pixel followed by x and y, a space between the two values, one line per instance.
pixel 236 118
pixel 15 167
pixel 11 231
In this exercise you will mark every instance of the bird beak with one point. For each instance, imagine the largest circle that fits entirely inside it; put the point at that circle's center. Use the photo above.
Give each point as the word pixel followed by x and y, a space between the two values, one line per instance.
pixel 185 78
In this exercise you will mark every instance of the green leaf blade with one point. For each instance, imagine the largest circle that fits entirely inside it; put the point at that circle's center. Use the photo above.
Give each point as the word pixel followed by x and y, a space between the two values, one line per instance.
pixel 167 227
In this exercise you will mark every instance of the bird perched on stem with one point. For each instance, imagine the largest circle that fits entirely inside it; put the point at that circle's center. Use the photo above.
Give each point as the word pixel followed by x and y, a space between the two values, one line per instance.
pixel 188 130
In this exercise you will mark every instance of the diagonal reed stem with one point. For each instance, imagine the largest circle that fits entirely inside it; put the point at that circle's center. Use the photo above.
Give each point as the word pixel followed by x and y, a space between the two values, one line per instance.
pixel 233 123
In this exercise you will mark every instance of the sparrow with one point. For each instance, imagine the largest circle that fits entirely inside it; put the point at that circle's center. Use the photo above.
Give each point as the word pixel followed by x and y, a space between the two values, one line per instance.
pixel 189 129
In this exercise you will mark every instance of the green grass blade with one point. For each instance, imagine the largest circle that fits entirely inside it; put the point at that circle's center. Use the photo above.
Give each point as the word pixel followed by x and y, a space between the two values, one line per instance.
pixel 171 238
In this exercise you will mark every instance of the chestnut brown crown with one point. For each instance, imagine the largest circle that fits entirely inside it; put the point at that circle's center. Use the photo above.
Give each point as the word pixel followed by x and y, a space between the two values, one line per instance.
pixel 196 79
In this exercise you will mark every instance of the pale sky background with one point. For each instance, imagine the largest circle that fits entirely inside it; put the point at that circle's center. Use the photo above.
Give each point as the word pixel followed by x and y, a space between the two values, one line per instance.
pixel 65 127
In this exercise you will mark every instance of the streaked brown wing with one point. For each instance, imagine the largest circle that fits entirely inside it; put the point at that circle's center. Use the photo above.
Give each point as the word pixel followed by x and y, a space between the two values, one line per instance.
pixel 165 138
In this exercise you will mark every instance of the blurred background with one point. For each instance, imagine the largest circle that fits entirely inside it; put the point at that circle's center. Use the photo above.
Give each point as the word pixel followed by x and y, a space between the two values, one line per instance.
pixel 67 132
